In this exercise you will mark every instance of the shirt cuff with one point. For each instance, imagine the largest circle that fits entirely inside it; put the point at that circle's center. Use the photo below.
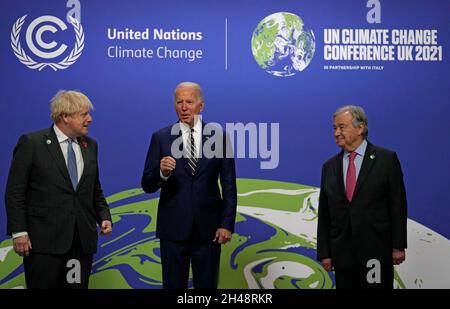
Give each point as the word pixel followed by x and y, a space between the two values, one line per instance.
pixel 164 177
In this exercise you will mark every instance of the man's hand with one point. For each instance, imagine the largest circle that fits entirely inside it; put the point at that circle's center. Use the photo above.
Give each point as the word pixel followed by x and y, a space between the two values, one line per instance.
pixel 167 165
pixel 327 264
pixel 222 236
pixel 22 245
pixel 106 227
pixel 398 256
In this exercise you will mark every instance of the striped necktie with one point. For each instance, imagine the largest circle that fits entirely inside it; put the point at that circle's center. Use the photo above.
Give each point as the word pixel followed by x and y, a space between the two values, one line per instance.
pixel 192 157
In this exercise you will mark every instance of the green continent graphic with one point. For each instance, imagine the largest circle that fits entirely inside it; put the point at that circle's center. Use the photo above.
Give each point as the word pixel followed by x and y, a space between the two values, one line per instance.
pixel 273 245
pixel 282 45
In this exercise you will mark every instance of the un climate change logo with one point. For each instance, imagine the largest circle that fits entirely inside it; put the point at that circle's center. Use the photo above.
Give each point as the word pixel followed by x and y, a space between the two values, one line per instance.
pixel 282 45
pixel 45 24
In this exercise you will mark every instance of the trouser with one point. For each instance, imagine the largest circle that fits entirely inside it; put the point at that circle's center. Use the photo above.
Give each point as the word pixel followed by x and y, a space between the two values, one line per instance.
pixel 357 277
pixel 59 271
pixel 177 256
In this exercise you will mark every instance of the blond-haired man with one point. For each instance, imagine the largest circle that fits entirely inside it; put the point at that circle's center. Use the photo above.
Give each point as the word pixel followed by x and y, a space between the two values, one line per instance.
pixel 54 197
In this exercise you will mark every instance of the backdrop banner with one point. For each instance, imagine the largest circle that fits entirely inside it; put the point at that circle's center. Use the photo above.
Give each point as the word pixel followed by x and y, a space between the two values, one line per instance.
pixel 273 73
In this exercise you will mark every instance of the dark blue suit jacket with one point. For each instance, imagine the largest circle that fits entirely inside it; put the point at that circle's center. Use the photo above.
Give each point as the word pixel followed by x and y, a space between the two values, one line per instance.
pixel 187 200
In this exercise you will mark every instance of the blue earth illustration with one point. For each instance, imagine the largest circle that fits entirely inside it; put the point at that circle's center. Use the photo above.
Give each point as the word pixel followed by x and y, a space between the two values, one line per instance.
pixel 282 45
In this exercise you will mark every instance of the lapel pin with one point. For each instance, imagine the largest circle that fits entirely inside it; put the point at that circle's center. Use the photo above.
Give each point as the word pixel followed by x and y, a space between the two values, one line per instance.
pixel 372 156
pixel 48 142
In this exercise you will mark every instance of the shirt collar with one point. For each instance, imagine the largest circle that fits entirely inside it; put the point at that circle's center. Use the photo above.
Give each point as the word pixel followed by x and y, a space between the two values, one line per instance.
pixel 60 135
pixel 187 129
pixel 361 150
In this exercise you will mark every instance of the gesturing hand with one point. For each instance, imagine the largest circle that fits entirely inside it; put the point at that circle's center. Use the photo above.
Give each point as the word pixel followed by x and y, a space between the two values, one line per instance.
pixel 167 165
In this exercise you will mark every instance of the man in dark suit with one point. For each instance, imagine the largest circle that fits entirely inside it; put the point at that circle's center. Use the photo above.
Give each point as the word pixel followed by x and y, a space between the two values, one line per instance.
pixel 362 207
pixel 195 215
pixel 54 198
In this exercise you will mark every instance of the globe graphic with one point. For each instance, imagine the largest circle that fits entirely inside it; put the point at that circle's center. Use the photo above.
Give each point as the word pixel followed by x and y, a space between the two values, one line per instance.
pixel 282 45
pixel 274 245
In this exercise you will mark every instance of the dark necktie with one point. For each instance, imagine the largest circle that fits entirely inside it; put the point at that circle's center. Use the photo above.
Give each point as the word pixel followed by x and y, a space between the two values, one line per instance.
pixel 72 164
pixel 351 176
pixel 192 158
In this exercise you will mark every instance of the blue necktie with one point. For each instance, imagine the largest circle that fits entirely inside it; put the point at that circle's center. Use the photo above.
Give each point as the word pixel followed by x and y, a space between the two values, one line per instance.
pixel 72 164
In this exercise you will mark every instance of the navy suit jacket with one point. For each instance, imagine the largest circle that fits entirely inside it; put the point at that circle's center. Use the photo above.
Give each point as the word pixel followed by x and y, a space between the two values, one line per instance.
pixel 187 200
pixel 374 222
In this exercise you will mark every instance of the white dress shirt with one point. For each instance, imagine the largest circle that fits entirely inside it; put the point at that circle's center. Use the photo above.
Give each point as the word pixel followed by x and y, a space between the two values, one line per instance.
pixel 186 135
pixel 62 139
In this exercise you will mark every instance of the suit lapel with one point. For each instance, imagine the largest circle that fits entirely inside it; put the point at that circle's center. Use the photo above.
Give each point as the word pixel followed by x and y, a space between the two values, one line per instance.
pixel 172 139
pixel 54 149
pixel 202 160
pixel 82 142
pixel 340 173
pixel 368 161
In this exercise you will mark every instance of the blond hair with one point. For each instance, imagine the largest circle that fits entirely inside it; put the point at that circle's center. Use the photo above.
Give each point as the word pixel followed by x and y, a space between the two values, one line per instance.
pixel 68 103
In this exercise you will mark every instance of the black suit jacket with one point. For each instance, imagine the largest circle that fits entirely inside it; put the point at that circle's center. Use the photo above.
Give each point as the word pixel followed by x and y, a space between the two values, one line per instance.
pixel 40 198
pixel 186 200
pixel 374 222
